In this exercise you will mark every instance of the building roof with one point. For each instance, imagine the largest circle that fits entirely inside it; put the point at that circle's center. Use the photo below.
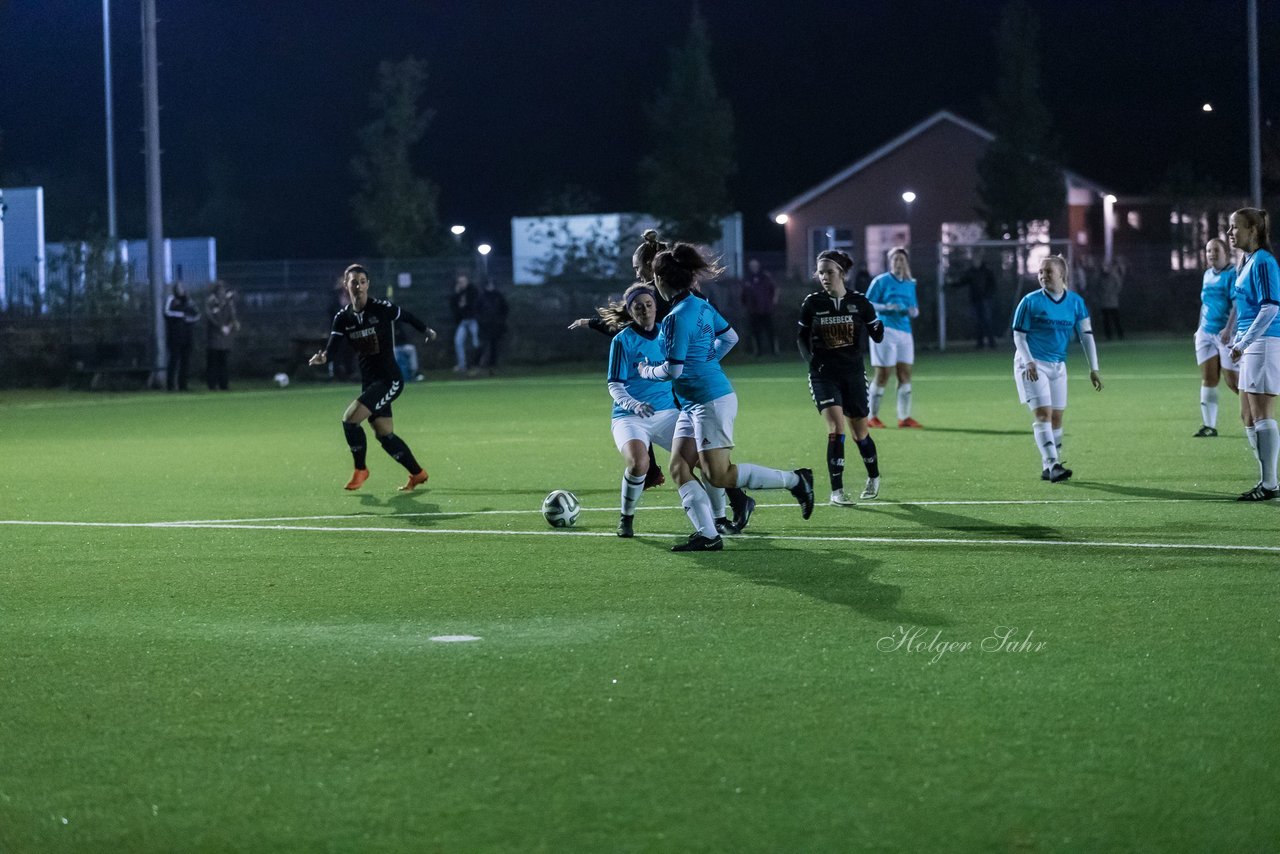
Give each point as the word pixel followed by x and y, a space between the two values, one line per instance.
pixel 897 142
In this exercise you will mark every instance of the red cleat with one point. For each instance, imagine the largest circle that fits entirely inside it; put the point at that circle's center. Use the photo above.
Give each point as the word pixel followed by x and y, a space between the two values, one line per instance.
pixel 358 477
pixel 415 480
pixel 874 422
pixel 910 422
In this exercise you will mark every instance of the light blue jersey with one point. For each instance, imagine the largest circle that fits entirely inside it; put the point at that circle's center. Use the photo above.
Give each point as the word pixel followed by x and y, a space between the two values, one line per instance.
pixel 888 289
pixel 629 348
pixel 689 335
pixel 1257 284
pixel 1215 299
pixel 1049 324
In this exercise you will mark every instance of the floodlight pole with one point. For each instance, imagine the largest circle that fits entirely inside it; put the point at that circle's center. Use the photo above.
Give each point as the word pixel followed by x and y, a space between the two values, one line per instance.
pixel 1255 111
pixel 155 226
pixel 111 152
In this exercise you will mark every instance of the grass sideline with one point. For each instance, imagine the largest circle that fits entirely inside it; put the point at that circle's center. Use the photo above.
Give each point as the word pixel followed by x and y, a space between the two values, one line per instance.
pixel 234 654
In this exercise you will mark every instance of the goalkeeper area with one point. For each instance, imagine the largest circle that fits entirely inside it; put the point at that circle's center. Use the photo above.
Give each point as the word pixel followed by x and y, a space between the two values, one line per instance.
pixel 209 645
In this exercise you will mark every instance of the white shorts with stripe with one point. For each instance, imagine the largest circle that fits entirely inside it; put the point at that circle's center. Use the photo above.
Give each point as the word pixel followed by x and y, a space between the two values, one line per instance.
pixel 657 429
pixel 1260 367
pixel 1208 346
pixel 897 347
pixel 709 424
pixel 1048 389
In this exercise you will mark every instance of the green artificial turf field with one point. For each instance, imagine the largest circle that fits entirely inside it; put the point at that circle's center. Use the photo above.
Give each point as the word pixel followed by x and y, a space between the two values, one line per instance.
pixel 207 645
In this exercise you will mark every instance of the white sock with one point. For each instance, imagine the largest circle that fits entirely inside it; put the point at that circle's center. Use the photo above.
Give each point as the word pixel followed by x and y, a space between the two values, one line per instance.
pixel 716 496
pixel 1268 449
pixel 632 489
pixel 1043 431
pixel 875 394
pixel 1209 406
pixel 759 477
pixel 904 401
pixel 1251 436
pixel 1057 442
pixel 698 508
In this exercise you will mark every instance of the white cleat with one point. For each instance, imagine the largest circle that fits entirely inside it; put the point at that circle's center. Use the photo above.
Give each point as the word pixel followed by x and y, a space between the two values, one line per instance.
pixel 839 499
pixel 872 489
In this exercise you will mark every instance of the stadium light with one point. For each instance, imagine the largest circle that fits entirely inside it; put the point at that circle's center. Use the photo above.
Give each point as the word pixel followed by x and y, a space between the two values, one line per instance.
pixel 908 197
pixel 1208 108
pixel 484 249
pixel 457 230
pixel 782 219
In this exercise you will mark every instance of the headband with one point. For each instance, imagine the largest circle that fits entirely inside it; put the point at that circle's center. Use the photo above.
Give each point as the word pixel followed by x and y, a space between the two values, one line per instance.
pixel 638 292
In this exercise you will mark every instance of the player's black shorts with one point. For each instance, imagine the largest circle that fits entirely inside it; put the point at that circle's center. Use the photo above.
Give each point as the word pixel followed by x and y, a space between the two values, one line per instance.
pixel 847 390
pixel 377 396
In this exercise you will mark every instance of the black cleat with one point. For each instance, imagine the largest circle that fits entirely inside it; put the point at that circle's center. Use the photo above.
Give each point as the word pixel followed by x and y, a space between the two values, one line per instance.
pixel 1205 432
pixel 1259 493
pixel 724 526
pixel 654 476
pixel 743 506
pixel 625 528
pixel 803 492
pixel 1057 474
pixel 1044 475
pixel 699 543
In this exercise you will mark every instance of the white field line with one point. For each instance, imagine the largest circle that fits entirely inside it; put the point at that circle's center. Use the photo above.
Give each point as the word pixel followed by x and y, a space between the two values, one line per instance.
pixel 649 508
pixel 943 541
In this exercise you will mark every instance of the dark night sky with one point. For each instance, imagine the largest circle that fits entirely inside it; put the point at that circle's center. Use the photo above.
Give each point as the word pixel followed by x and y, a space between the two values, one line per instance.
pixel 261 101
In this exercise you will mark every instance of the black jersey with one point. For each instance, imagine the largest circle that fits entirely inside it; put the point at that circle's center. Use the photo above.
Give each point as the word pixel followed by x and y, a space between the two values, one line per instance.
pixel 830 332
pixel 371 334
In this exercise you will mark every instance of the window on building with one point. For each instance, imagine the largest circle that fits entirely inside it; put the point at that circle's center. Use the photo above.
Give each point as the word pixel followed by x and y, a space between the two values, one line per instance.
pixel 830 237
pixel 882 238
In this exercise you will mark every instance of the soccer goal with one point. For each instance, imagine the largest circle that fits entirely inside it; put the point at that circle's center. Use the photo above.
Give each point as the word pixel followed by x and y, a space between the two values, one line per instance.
pixel 977 308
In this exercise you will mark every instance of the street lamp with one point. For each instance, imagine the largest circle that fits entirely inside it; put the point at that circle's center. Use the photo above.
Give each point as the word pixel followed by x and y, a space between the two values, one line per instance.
pixel 484 249
pixel 457 230
pixel 908 197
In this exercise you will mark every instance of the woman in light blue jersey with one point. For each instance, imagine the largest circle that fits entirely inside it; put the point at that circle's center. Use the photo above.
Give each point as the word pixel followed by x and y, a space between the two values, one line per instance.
pixel 695 338
pixel 894 296
pixel 644 411
pixel 1213 335
pixel 1043 324
pixel 1257 342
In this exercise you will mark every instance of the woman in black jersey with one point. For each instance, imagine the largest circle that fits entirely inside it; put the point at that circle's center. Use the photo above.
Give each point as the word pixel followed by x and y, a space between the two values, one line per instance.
pixel 368 326
pixel 829 336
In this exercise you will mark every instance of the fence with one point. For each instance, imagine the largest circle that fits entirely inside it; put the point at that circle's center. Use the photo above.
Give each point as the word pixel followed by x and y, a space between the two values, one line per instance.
pixel 286 307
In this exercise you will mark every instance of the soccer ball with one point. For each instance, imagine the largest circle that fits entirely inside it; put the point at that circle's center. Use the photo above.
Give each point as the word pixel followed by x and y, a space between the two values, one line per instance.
pixel 560 508
pixel 281 380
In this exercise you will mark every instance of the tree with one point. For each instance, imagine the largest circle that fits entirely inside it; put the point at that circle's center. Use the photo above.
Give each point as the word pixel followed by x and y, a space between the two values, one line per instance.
pixel 394 205
pixel 1019 179
pixel 685 178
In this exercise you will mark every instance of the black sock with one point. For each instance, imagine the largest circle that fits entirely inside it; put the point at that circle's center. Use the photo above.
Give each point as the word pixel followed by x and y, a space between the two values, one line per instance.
pixel 867 448
pixel 399 451
pixel 356 442
pixel 835 459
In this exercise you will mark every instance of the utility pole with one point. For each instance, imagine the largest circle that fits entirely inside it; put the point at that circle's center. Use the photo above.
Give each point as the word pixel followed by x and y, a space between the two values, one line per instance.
pixel 155 226
pixel 111 149
pixel 1255 110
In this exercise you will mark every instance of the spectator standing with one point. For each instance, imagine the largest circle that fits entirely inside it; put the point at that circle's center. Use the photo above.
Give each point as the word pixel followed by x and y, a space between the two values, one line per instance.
pixel 1110 283
pixel 222 324
pixel 492 317
pixel 760 298
pixel 180 314
pixel 464 304
pixel 981 284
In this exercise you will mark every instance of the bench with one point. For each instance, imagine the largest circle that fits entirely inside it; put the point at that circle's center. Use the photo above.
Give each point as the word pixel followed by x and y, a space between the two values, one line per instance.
pixel 110 366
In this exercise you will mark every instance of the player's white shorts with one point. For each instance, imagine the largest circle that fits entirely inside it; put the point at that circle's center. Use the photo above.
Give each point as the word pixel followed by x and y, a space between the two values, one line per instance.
pixel 1208 346
pixel 709 424
pixel 657 429
pixel 897 346
pixel 1260 367
pixel 1049 388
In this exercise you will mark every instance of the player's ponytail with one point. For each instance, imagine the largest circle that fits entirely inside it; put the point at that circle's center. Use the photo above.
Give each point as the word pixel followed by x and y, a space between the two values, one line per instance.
pixel 1257 219
pixel 682 266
